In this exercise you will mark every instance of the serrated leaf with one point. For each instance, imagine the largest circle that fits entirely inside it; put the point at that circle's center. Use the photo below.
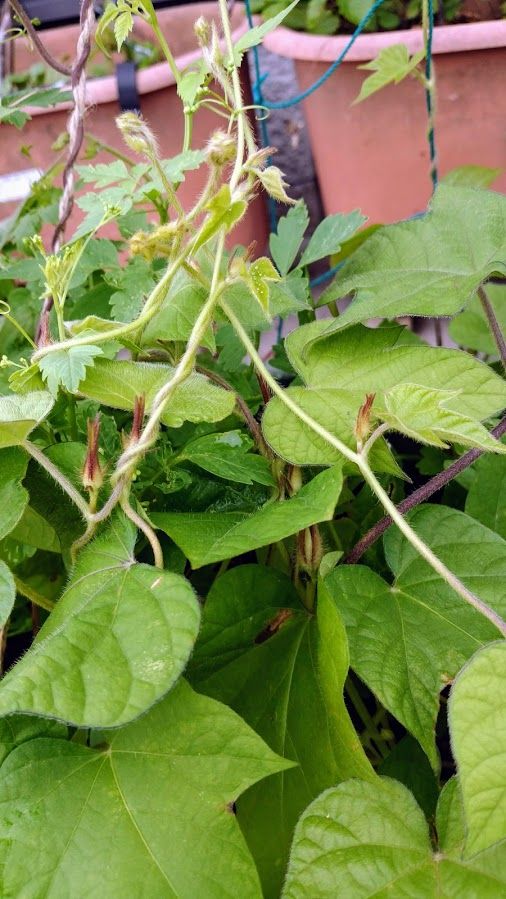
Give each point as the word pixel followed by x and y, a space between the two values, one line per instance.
pixel 330 234
pixel 254 36
pixel 151 807
pixel 284 245
pixel 67 368
pixel 20 414
pixel 259 650
pixel 104 173
pixel 13 496
pixel 471 329
pixel 430 266
pixel 486 499
pixel 227 456
pixel 408 640
pixel 336 410
pixel 421 414
pixel 207 537
pixel 116 642
pixel 477 717
pixel 123 25
pixel 118 383
pixel 373 840
pixel 391 66
pixel 373 360
pixel 224 213
pixel 102 207
pixel 190 83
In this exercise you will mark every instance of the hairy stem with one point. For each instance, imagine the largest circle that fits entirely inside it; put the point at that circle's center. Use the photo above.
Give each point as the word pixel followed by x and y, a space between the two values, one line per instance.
pixel 184 369
pixel 146 529
pixel 358 459
pixel 493 324
pixel 236 86
pixel 421 495
pixel 32 595
pixel 59 477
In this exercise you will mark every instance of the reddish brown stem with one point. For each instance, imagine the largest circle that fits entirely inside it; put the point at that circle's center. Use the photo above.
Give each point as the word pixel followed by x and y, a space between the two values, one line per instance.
pixel 421 495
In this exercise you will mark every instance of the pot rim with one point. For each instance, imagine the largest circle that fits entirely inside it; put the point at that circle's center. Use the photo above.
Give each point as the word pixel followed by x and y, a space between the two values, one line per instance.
pixel 299 45
pixel 159 76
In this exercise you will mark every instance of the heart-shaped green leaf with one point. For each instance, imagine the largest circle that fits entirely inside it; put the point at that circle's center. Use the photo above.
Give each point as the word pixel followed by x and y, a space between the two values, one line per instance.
pixel 374 360
pixel 260 651
pixel 150 805
pixel 118 383
pixel 371 839
pixel 407 641
pixel 116 642
pixel 429 266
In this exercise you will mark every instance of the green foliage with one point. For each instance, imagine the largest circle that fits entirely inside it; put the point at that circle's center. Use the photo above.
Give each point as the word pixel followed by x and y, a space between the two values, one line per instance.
pixel 129 800
pixel 259 650
pixel 67 368
pixel 19 415
pixel 207 537
pixel 486 499
pixel 119 638
pixel 477 721
pixel 408 640
pixel 118 384
pixel 164 513
pixel 227 456
pixel 368 836
pixel 421 413
pixel 423 267
pixel 392 65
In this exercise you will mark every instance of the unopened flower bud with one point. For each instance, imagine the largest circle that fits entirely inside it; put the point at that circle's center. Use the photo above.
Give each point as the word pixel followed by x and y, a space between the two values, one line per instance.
pixel 137 134
pixel 363 422
pixel 159 242
pixel 202 31
pixel 221 148
pixel 309 549
pixel 138 419
pixel 92 473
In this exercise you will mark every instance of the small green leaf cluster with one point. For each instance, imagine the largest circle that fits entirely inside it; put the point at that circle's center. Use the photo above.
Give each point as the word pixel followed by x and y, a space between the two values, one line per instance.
pixel 203 693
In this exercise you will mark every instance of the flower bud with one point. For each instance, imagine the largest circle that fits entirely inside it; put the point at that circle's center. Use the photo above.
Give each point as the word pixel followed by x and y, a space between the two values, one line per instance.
pixel 363 422
pixel 309 550
pixel 202 31
pixel 159 242
pixel 92 472
pixel 137 134
pixel 221 148
pixel 138 419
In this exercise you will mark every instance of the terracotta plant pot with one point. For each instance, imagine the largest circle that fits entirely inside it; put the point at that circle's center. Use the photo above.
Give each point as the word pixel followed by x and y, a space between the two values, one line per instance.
pixel 375 155
pixel 159 103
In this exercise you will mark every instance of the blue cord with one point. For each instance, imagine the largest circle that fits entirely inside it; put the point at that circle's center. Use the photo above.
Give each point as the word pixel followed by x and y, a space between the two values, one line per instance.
pixel 293 101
